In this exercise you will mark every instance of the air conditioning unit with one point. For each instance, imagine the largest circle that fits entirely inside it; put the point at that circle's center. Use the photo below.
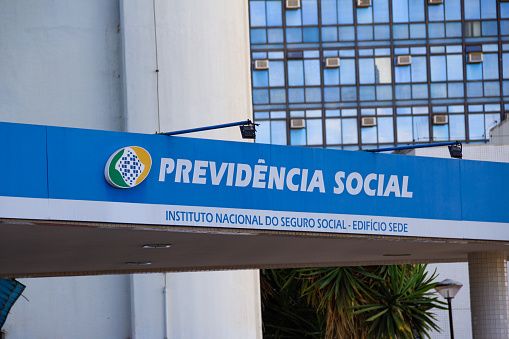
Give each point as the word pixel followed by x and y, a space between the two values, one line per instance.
pixel 292 4
pixel 260 65
pixel 435 2
pixel 368 122
pixel 363 3
pixel 331 62
pixel 474 57
pixel 440 119
pixel 297 124
pixel 403 60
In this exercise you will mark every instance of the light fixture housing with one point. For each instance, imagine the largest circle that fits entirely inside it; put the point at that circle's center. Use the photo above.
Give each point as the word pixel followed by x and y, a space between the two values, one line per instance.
pixel 139 263
pixel 448 288
pixel 248 131
pixel 455 151
pixel 157 246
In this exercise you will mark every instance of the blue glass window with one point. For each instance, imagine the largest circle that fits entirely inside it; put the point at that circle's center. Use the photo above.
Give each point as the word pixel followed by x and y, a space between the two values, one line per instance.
pixel 382 32
pixel 295 73
pixel 455 67
pixel 381 8
pixel 276 73
pixel 312 72
pixel 488 9
pixel 400 10
pixel 404 129
pixel 472 9
pixel 400 31
pixel 258 36
pixel 274 14
pixel 277 96
pixel 436 13
pixel 416 10
pixel 333 131
pixel 385 130
pixel 421 128
pixel 476 126
pixel 314 132
pixel 490 66
pixel 349 131
pixel 453 29
pixel 278 132
pixel 347 72
pixel 263 132
pixel 419 69
pixel 369 135
pixel 348 93
pixel 418 31
pixel 367 93
pixel 365 32
pixel 329 34
pixel 331 76
pixel 346 33
pixel 331 94
pixel 296 95
pixel 293 35
pixel 452 10
pixel 294 17
pixel 275 35
pixel 367 71
pixel 345 12
pixel 438 69
pixel 457 126
pixel 311 34
pixel 329 13
pixel 365 15
pixel 309 12
pixel 257 13
pixel 313 95
pixel 260 78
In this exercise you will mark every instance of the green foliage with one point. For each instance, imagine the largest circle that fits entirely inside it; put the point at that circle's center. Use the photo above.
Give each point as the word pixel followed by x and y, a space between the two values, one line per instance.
pixel 402 304
pixel 349 302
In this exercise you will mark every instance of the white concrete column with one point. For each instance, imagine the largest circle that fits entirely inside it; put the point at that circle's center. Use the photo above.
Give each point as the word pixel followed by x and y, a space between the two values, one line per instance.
pixel 489 295
pixel 201 49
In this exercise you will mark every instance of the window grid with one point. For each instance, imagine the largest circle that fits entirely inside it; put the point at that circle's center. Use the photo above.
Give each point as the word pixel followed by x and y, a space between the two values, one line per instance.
pixel 488 88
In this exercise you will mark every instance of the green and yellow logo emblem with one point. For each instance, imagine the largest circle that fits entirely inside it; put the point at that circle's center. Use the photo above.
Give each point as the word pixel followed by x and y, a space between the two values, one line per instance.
pixel 128 167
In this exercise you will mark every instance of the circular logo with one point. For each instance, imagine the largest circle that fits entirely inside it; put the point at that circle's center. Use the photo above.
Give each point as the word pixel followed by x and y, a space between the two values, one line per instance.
pixel 127 167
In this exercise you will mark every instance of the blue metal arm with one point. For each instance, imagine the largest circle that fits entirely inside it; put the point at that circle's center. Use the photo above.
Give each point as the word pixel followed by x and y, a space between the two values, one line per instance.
pixel 414 146
pixel 199 129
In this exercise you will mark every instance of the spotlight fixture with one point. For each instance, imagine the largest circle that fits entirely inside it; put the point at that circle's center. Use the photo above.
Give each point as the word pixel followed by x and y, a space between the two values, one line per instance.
pixel 139 263
pixel 456 151
pixel 157 246
pixel 248 131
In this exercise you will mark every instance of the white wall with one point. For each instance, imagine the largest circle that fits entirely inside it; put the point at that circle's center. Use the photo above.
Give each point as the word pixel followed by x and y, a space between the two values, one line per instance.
pixel 203 61
pixel 204 79
pixel 79 307
pixel 91 64
pixel 60 63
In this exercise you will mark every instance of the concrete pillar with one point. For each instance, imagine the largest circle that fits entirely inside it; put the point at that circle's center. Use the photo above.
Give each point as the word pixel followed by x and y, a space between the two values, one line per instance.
pixel 489 295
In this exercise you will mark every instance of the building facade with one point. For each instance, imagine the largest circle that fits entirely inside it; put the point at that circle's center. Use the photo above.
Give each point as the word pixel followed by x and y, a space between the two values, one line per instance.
pixel 363 74
pixel 134 66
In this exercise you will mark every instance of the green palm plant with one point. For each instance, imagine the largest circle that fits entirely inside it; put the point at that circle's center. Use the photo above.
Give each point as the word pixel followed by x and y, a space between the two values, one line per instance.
pixel 333 291
pixel 285 313
pixel 349 302
pixel 401 304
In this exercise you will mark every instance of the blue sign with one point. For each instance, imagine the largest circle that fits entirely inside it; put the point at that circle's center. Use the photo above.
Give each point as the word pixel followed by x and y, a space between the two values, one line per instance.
pixel 76 174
